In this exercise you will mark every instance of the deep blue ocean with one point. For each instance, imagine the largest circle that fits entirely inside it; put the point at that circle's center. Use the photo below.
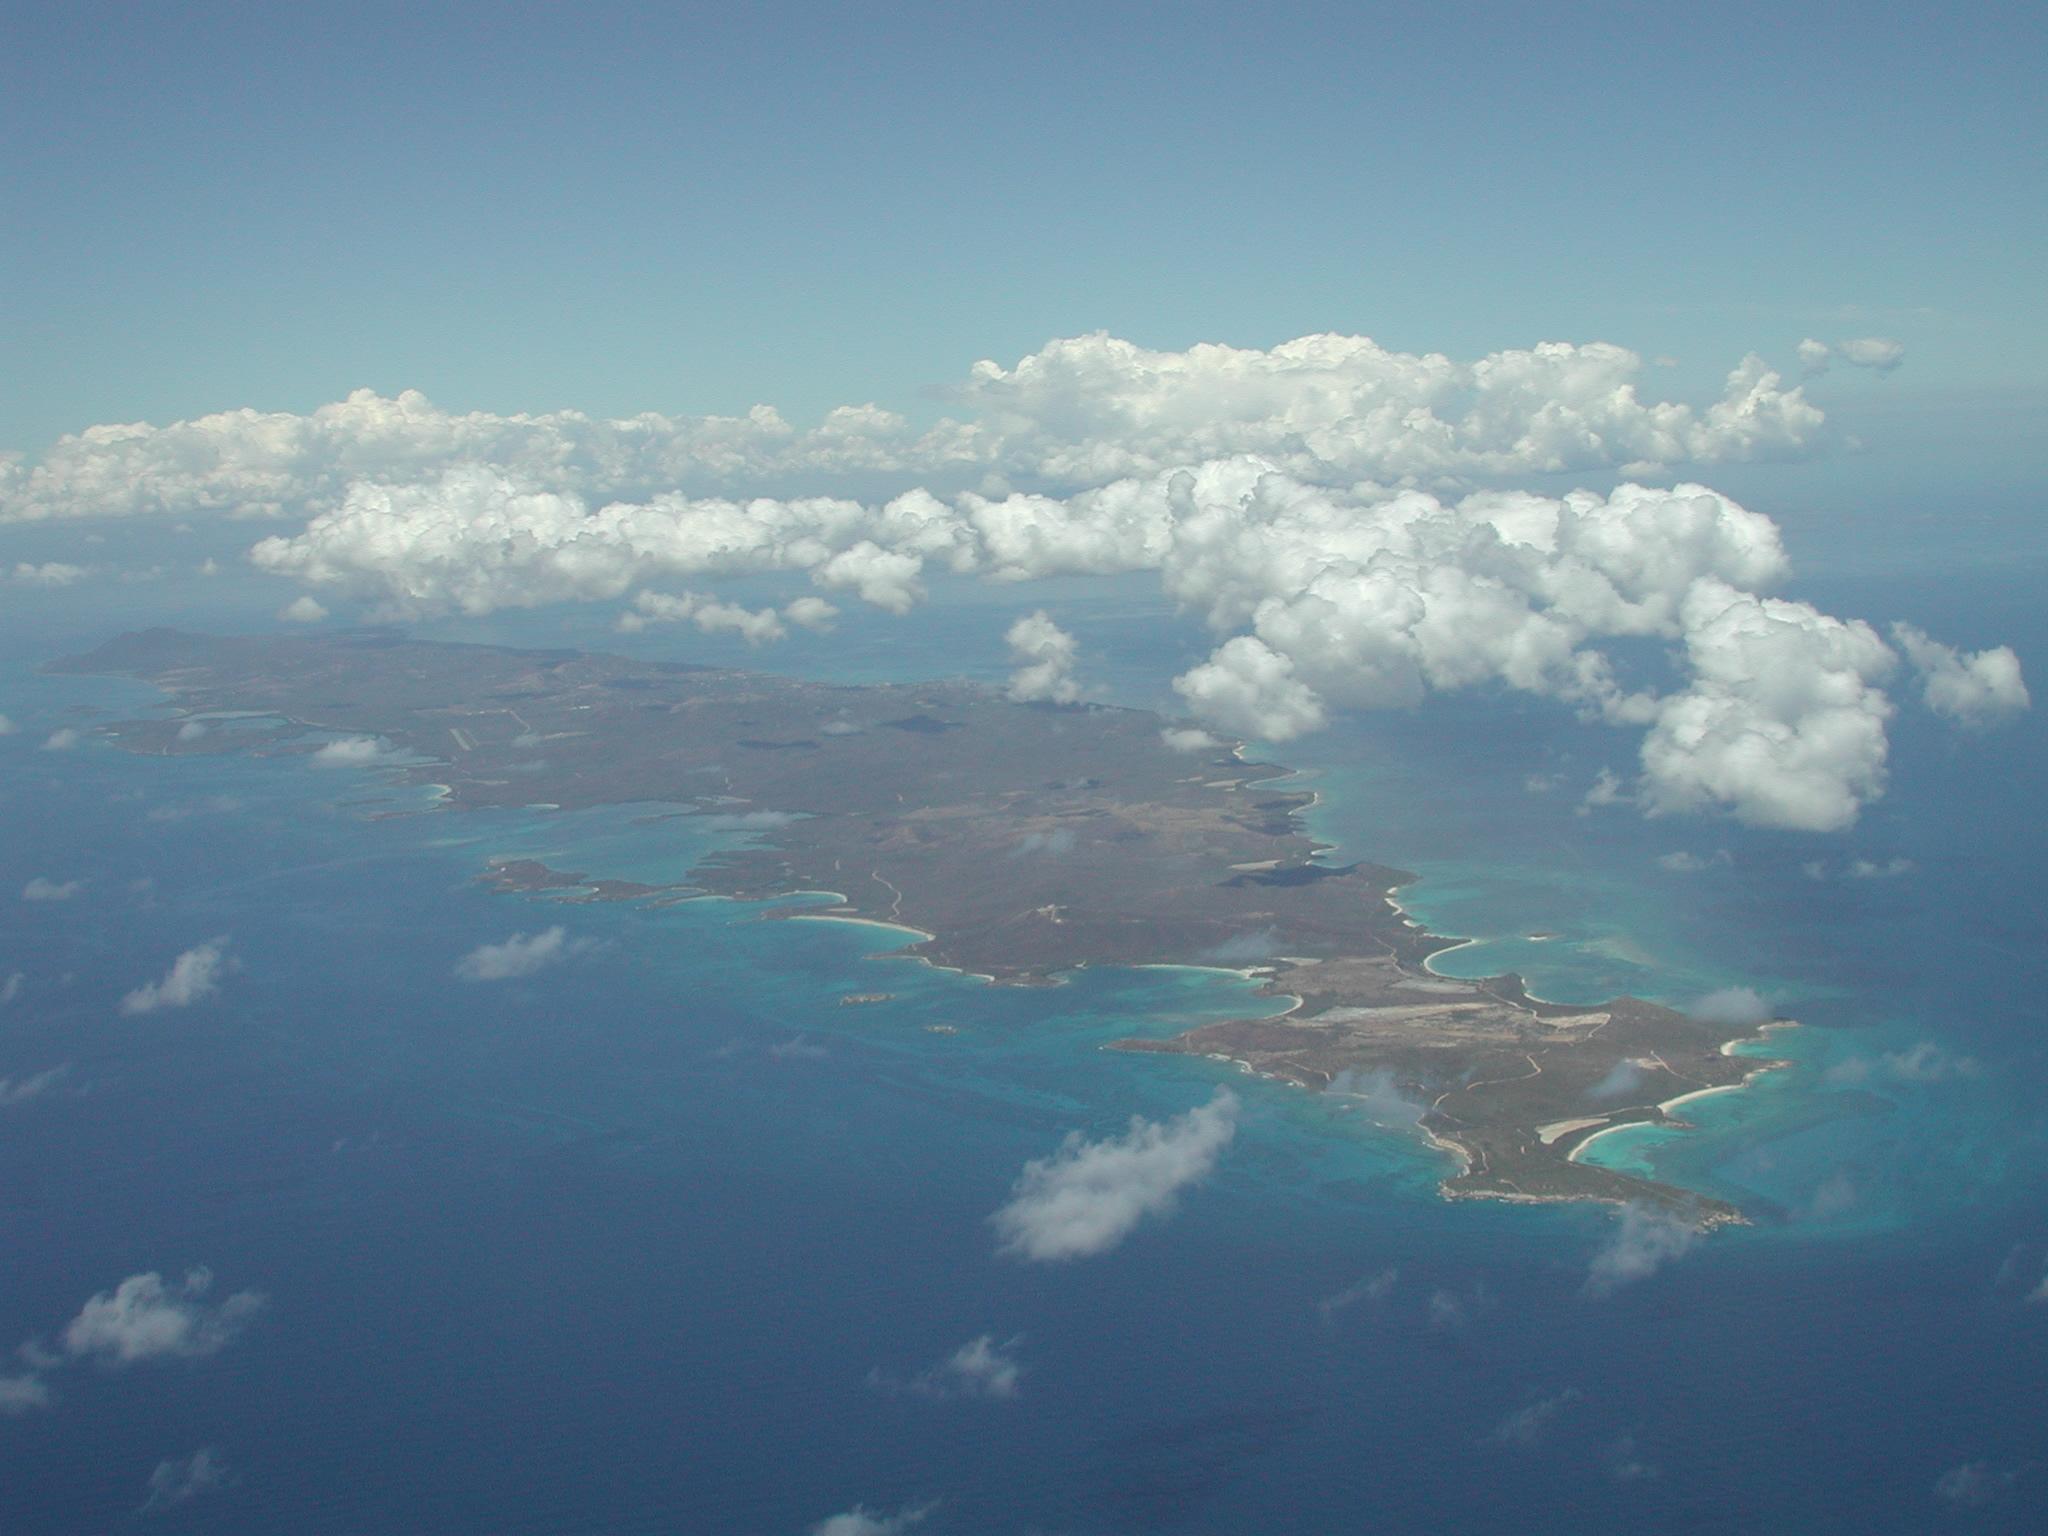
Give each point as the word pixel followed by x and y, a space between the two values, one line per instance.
pixel 619 1247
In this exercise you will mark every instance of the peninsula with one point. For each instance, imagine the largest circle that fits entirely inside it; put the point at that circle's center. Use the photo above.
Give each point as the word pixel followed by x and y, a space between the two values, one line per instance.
pixel 1019 840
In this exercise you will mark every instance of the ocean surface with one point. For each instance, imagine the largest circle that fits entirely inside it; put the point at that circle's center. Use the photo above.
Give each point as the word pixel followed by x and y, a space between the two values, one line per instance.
pixel 637 1243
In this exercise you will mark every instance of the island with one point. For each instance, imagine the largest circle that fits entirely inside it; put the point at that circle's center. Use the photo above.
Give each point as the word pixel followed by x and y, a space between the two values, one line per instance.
pixel 1013 841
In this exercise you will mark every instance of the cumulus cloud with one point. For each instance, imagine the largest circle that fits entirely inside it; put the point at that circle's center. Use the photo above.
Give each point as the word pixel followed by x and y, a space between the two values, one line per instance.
pixel 1684 863
pixel 862 1521
pixel 7 726
pixel 980 1368
pixel 1974 1484
pixel 1374 1288
pixel 1528 1425
pixel 302 610
pixel 520 955
pixel 1089 1196
pixel 1184 738
pixel 20 1090
pixel 1735 1007
pixel 44 889
pixel 10 987
pixel 350 752
pixel 1279 494
pixel 193 977
pixel 1045 656
pixel 756 626
pixel 1881 354
pixel 1250 688
pixel 22 1394
pixel 1077 412
pixel 1643 1242
pixel 144 1319
pixel 63 739
pixel 1917 1065
pixel 1977 690
pixel 53 573
pixel 179 1480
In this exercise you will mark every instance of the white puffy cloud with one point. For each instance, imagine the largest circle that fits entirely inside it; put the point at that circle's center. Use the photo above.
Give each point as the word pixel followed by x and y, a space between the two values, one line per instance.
pixel 1977 689
pixel 7 726
pixel 193 977
pixel 862 1521
pixel 1093 408
pixel 63 739
pixel 42 888
pixel 1736 1007
pixel 302 610
pixel 1089 1196
pixel 177 1480
pixel 1879 353
pixel 755 626
pixel 1184 738
pixel 1077 412
pixel 1045 656
pixel 20 1090
pixel 979 1368
pixel 22 1394
pixel 349 752
pixel 1784 719
pixel 520 955
pixel 1250 688
pixel 52 573
pixel 1642 1243
pixel 1528 1425
pixel 144 1319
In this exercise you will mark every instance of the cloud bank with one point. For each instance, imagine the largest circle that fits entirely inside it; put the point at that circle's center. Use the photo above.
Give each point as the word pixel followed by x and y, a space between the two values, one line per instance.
pixel 1090 1195
pixel 1077 412
pixel 1300 499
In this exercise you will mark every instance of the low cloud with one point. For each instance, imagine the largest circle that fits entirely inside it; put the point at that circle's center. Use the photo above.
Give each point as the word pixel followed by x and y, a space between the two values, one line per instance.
pixel 302 610
pixel 1379 1094
pixel 350 752
pixel 1054 842
pixel 61 740
pixel 143 1319
pixel 797 1048
pixel 1625 1464
pixel 1975 1484
pixel 1881 354
pixel 1374 1288
pixel 862 1521
pixel 22 1394
pixel 756 626
pixel 53 573
pixel 10 986
pixel 1045 655
pixel 1643 1242
pixel 1683 863
pixel 193 977
pixel 520 955
pixel 42 889
pixel 1526 1426
pixel 1183 738
pixel 178 1481
pixel 1918 1064
pixel 1090 1195
pixel 980 1368
pixel 1977 689
pixel 1621 1079
pixel 21 1090
pixel 1735 1007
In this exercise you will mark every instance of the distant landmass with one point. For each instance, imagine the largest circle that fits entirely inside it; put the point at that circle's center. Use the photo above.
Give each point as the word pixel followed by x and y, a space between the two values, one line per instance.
pixel 1018 840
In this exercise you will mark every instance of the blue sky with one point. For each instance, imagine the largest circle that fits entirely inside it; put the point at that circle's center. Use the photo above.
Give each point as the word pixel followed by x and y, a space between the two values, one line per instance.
pixel 686 210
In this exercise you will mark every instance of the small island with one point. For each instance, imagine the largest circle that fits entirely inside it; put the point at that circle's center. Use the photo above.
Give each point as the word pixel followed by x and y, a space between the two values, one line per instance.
pixel 1012 841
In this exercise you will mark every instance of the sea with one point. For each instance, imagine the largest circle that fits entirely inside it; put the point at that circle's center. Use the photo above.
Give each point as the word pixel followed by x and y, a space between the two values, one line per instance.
pixel 661 1238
